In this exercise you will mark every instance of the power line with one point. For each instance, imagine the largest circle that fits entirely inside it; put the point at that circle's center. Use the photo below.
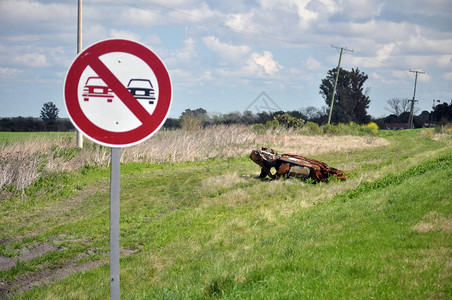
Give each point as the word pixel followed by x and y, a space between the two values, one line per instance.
pixel 187 17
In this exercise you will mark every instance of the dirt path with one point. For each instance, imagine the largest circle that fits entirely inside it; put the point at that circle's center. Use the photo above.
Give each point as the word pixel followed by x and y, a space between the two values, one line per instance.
pixel 45 274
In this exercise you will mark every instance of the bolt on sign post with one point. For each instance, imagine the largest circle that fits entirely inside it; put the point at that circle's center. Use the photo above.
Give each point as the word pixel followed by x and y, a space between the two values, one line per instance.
pixel 118 93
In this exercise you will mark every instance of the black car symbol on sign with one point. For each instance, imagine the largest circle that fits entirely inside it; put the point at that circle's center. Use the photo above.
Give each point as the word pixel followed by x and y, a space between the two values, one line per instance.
pixel 142 89
pixel 95 87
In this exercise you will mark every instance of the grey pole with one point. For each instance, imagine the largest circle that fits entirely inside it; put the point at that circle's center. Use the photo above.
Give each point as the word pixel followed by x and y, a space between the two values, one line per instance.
pixel 79 135
pixel 335 82
pixel 335 85
pixel 115 181
pixel 410 120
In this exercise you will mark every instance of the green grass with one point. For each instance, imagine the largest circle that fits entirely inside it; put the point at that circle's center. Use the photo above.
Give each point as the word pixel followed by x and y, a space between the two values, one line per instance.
pixel 11 137
pixel 213 229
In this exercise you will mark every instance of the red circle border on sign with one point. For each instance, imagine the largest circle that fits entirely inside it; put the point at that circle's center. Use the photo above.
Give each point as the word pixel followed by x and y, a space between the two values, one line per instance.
pixel 149 125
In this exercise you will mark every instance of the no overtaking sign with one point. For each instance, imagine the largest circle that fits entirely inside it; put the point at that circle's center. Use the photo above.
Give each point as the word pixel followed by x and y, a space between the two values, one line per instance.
pixel 118 93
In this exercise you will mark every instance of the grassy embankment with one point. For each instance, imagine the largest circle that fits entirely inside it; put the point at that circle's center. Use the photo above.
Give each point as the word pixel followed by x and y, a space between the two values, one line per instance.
pixel 212 229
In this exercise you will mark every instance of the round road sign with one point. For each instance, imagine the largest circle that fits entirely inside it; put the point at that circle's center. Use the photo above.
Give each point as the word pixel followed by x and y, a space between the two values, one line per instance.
pixel 118 93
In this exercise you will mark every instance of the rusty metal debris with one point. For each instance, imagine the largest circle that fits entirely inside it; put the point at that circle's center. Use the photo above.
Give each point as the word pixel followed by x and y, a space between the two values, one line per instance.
pixel 292 165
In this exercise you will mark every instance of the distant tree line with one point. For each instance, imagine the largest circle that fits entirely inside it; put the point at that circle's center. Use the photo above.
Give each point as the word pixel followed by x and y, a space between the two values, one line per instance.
pixel 192 119
pixel 27 124
pixel 48 121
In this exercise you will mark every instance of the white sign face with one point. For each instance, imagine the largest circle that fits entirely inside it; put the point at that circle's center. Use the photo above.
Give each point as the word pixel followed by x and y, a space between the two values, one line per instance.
pixel 117 92
pixel 100 104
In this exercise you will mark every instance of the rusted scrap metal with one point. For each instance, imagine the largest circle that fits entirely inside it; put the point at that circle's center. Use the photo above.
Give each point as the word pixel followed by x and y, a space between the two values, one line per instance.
pixel 292 165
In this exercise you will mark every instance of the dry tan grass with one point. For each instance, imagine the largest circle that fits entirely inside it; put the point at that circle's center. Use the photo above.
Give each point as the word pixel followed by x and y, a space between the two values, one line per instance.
pixel 434 221
pixel 238 140
pixel 23 162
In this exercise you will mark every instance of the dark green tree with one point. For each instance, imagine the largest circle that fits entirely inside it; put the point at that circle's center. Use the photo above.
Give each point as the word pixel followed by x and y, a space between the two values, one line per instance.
pixel 49 112
pixel 248 117
pixel 351 100
pixel 442 112
pixel 197 113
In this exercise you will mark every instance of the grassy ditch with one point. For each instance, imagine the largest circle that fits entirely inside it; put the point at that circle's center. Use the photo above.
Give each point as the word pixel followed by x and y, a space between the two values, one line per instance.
pixel 213 229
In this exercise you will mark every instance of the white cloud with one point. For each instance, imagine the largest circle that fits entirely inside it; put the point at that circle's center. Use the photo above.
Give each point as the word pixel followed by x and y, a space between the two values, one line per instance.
pixel 448 76
pixel 29 11
pixel 175 3
pixel 225 50
pixel 400 74
pixel 382 79
pixel 312 64
pixel 124 34
pixel 153 40
pixel 181 73
pixel 380 31
pixel 139 17
pixel 31 60
pixel 189 51
pixel 262 64
pixel 362 9
pixel 198 14
pixel 385 51
pixel 424 45
pixel 241 22
pixel 183 58
pixel 362 62
pixel 207 75
pixel 424 78
pixel 9 72
pixel 93 33
pixel 444 61
pixel 328 7
pixel 305 10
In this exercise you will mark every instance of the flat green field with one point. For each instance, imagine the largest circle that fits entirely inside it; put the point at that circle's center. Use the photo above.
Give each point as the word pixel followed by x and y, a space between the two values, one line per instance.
pixel 212 229
pixel 9 137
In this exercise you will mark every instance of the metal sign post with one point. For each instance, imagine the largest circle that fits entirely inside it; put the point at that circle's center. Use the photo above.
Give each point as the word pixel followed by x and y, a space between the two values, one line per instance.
pixel 115 181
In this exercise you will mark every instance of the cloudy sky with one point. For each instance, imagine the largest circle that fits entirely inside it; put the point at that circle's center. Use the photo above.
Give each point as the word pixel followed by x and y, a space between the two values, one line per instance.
pixel 221 55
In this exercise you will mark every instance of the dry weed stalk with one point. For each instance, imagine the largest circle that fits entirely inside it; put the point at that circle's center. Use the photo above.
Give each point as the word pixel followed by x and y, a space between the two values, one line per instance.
pixel 22 162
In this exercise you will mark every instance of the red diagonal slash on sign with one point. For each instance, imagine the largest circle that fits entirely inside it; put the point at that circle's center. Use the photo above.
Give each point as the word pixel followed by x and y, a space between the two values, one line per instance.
pixel 149 123
pixel 124 95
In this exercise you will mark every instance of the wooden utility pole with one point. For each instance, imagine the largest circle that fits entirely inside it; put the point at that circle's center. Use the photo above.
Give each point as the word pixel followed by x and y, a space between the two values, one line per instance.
pixel 337 76
pixel 410 121
pixel 79 135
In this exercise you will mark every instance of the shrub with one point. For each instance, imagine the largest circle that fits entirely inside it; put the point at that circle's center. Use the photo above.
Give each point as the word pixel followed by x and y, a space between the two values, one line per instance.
pixel 312 128
pixel 444 129
pixel 348 129
pixel 330 129
pixel 273 124
pixel 351 129
pixel 259 128
pixel 191 122
pixel 290 122
pixel 371 128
